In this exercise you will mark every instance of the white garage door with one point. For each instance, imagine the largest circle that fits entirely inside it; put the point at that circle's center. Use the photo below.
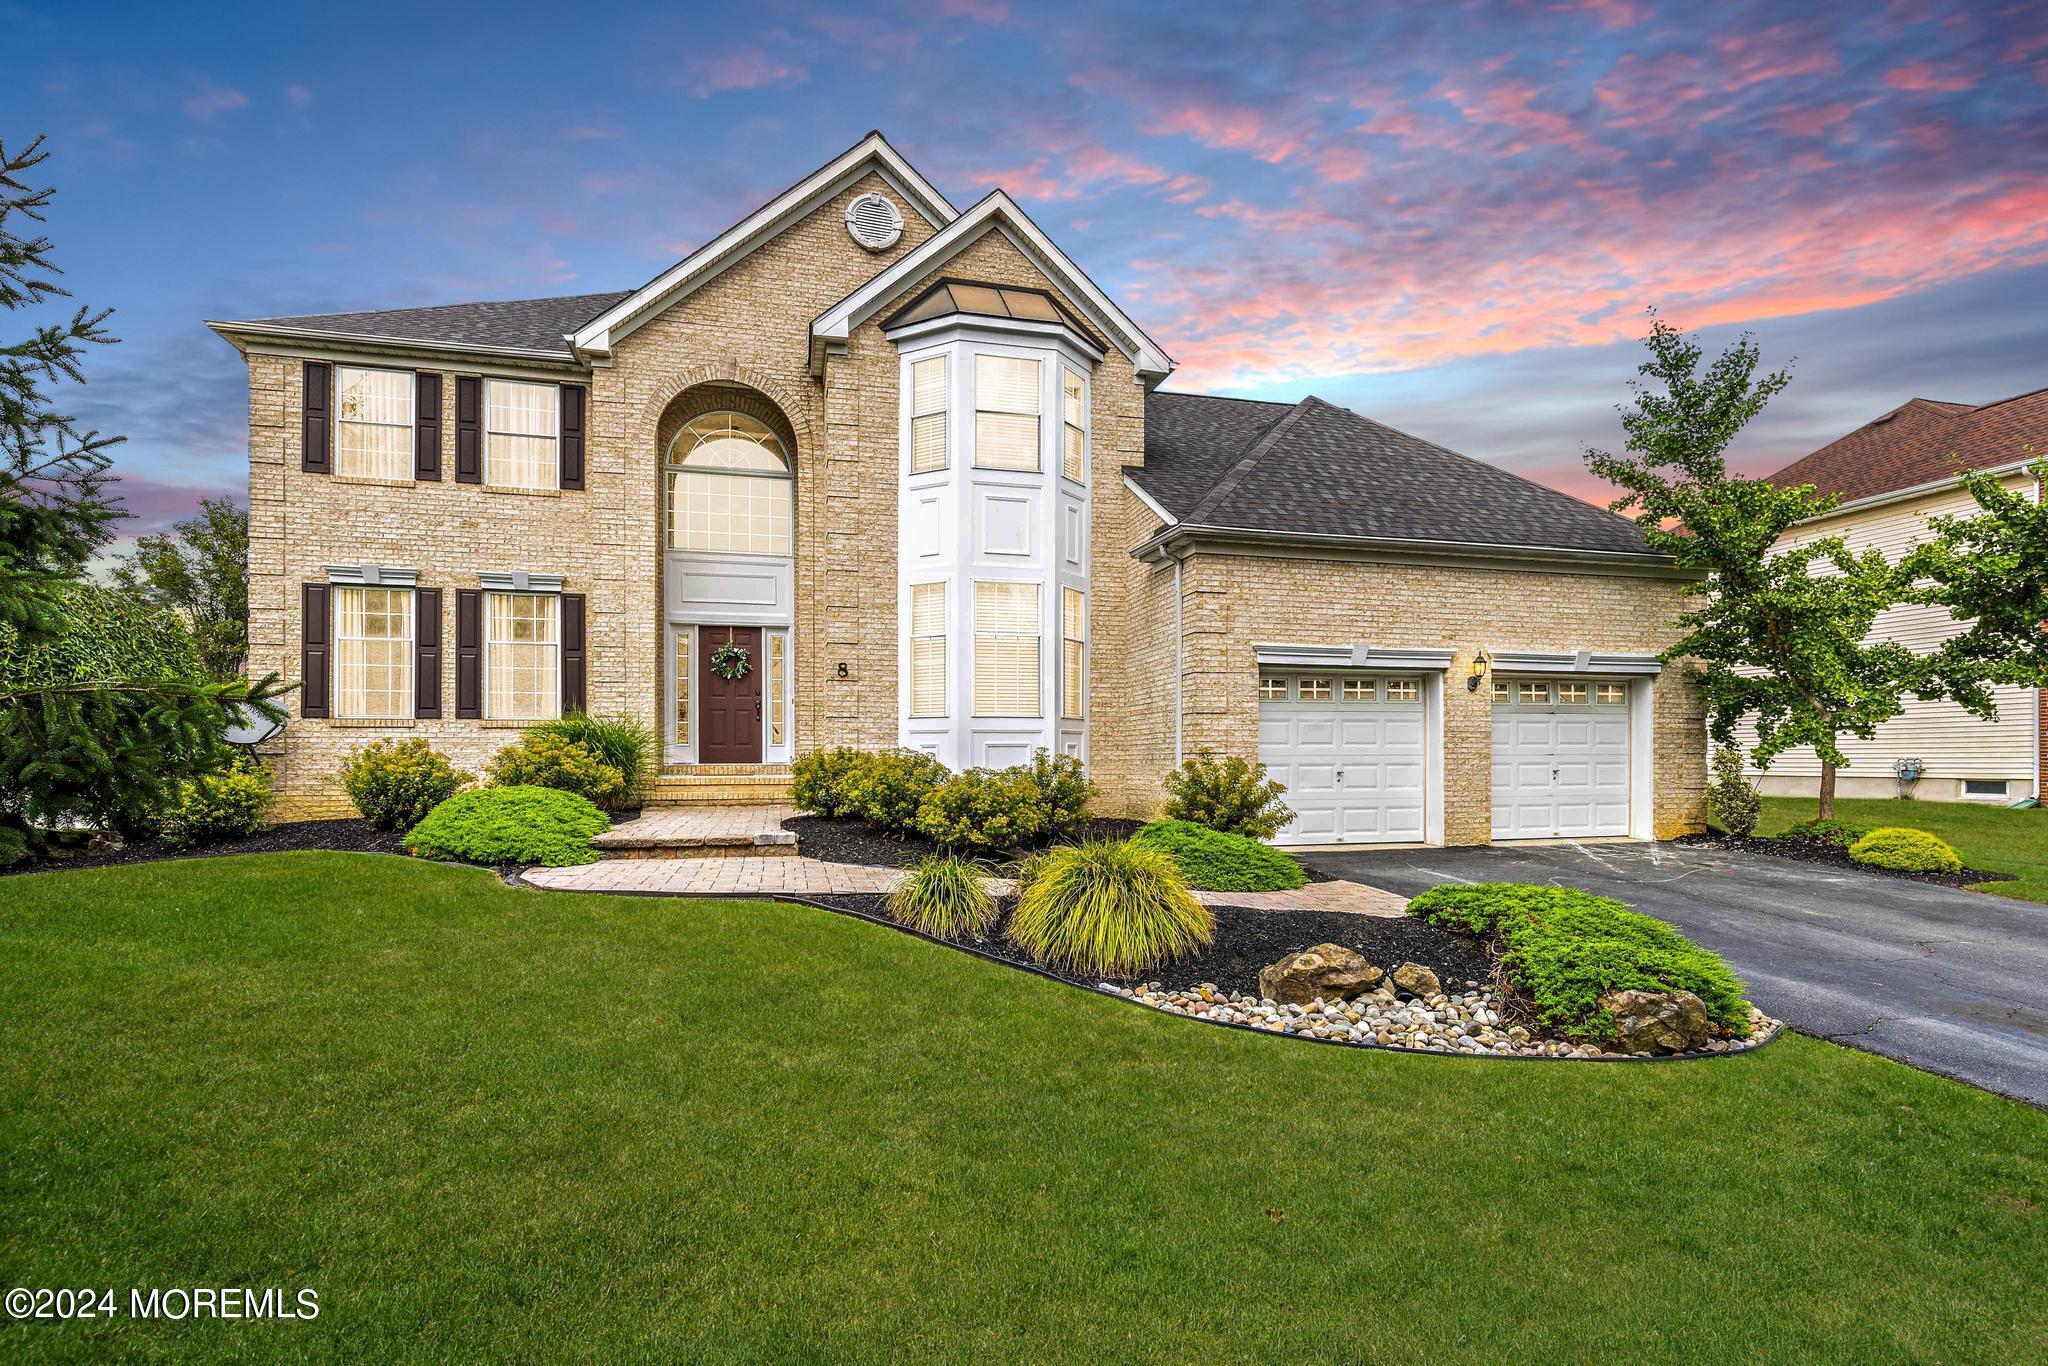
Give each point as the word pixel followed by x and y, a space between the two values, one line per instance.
pixel 1350 751
pixel 1560 758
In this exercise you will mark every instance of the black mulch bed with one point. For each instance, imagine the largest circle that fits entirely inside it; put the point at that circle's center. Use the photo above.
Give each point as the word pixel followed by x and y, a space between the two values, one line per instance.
pixel 1831 856
pixel 1248 940
pixel 845 839
pixel 347 836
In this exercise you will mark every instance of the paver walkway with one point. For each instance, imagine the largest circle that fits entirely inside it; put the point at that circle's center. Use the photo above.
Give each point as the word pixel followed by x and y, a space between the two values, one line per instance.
pixel 681 827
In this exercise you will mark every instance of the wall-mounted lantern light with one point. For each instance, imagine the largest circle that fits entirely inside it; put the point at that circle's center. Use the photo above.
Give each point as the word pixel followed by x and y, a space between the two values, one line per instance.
pixel 1480 664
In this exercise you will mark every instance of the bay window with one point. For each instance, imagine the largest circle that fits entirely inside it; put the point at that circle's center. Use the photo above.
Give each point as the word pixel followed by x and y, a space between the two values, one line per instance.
pixel 522 429
pixel 522 656
pixel 1006 645
pixel 1006 406
pixel 1074 403
pixel 1073 652
pixel 928 649
pixel 373 423
pixel 928 414
pixel 373 639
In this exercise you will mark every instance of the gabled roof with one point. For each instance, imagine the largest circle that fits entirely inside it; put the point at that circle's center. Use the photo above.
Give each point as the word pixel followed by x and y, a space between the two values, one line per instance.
pixel 995 213
pixel 1317 472
pixel 525 327
pixel 871 153
pixel 1924 441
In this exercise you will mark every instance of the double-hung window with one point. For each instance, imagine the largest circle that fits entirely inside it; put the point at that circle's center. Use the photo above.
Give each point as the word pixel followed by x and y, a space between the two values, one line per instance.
pixel 928 414
pixel 522 432
pixel 1006 406
pixel 1006 643
pixel 373 639
pixel 1073 652
pixel 373 420
pixel 928 649
pixel 1074 408
pixel 522 656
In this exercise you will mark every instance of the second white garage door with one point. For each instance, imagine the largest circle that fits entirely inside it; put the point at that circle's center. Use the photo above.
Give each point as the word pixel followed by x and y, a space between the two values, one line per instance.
pixel 1351 752
pixel 1560 758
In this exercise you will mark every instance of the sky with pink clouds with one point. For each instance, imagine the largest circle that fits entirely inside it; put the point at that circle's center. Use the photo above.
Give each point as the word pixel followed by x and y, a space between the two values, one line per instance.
pixel 1448 216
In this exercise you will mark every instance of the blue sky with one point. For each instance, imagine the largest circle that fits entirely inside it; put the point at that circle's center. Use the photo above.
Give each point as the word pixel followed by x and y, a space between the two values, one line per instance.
pixel 1448 216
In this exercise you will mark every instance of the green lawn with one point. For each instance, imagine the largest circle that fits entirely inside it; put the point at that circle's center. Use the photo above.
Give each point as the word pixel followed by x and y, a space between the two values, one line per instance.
pixel 489 1122
pixel 1992 838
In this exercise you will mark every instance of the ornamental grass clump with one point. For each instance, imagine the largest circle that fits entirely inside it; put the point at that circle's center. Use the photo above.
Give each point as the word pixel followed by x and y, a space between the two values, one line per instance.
pixel 1217 861
pixel 944 896
pixel 501 825
pixel 1108 910
pixel 626 745
pixel 548 759
pixel 1906 851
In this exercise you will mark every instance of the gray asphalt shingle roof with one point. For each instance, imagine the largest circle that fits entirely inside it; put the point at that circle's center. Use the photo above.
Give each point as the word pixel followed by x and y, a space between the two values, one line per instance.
pixel 1314 469
pixel 529 324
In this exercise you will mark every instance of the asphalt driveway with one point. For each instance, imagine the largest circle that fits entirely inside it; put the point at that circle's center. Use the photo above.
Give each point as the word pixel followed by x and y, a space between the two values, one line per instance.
pixel 1952 981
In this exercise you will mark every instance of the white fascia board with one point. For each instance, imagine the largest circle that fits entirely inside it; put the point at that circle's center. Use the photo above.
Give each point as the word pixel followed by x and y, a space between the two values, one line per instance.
pixel 1949 481
pixel 981 326
pixel 709 260
pixel 1378 658
pixel 999 211
pixel 1153 505
pixel 244 336
pixel 1581 662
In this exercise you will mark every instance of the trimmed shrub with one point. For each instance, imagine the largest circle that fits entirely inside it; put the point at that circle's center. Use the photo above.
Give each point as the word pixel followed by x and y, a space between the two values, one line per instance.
pixel 218 806
pixel 395 783
pixel 1564 949
pixel 984 808
pixel 498 825
pixel 1907 851
pixel 1108 910
pixel 627 746
pixel 821 782
pixel 1826 834
pixel 1230 794
pixel 1064 785
pixel 890 787
pixel 944 896
pixel 1217 861
pixel 1731 798
pixel 545 759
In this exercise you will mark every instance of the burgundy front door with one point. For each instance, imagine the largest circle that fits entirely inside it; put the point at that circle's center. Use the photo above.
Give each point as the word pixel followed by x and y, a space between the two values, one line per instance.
pixel 729 714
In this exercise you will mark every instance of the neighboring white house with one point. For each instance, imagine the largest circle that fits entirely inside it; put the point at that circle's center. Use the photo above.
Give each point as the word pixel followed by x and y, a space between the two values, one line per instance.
pixel 1893 474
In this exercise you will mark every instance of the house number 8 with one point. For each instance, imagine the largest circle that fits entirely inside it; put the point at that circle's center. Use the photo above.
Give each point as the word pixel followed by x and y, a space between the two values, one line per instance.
pixel 842 668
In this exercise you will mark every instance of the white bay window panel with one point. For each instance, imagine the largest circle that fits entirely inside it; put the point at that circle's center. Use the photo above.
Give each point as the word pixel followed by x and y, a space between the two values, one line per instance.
pixel 1006 650
pixel 928 414
pixel 1006 412
pixel 928 649
pixel 1073 652
pixel 522 425
pixel 373 637
pixel 522 656
pixel 373 420
pixel 1074 462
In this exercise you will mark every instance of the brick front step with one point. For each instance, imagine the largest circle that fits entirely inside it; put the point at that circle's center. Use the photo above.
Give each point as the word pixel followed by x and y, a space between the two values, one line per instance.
pixel 718 789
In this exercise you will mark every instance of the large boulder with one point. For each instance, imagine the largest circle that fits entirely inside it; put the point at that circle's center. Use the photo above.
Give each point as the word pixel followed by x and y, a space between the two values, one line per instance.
pixel 1329 971
pixel 1658 1021
pixel 1416 980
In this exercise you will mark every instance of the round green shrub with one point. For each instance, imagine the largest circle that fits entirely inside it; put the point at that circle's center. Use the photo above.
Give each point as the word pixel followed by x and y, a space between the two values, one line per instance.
pixel 1108 910
pixel 821 782
pixel 626 745
pixel 548 759
pixel 944 896
pixel 395 783
pixel 984 809
pixel 1230 794
pixel 1217 861
pixel 218 806
pixel 499 825
pixel 889 787
pixel 1064 785
pixel 1906 850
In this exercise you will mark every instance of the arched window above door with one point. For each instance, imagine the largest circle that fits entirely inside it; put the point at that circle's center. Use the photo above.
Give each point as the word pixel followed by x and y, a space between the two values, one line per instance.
pixel 728 488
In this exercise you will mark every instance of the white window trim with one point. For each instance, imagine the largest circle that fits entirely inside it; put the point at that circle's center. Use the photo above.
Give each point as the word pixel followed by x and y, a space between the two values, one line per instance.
pixel 944 637
pixel 412 405
pixel 1044 362
pixel 484 661
pixel 484 424
pixel 1073 708
pixel 1086 426
pixel 943 357
pixel 411 640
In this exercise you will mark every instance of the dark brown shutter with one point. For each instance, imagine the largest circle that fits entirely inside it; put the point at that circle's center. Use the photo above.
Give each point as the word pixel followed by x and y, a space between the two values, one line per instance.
pixel 426 427
pixel 469 653
pixel 317 423
pixel 572 653
pixel 573 398
pixel 315 623
pixel 426 653
pixel 469 430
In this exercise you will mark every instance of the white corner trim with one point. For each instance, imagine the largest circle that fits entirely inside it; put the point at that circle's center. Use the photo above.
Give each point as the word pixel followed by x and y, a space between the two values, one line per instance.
pixel 997 210
pixel 518 581
pixel 764 223
pixel 372 576
pixel 1385 658
pixel 1581 662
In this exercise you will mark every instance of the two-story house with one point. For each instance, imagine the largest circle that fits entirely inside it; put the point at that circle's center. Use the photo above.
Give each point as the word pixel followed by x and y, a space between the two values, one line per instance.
pixel 917 465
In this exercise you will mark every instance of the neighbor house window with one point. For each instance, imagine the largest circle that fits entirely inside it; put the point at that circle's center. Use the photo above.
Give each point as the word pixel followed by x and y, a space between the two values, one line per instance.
pixel 522 656
pixel 522 423
pixel 373 415
pixel 928 649
pixel 1403 690
pixel 1610 694
pixel 373 652
pixel 1006 649
pixel 729 488
pixel 1005 413
pixel 1074 404
pixel 1273 689
pixel 1073 651
pixel 928 414
pixel 1315 689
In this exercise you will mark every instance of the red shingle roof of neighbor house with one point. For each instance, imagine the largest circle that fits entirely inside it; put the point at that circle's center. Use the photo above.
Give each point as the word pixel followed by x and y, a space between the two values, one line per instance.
pixel 1923 441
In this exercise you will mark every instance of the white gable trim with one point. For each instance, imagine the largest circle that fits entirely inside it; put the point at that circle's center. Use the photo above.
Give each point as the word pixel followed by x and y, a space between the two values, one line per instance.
pixel 1000 213
pixel 872 152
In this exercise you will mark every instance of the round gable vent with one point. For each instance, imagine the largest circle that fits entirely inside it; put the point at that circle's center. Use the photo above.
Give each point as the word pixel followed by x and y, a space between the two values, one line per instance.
pixel 874 222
